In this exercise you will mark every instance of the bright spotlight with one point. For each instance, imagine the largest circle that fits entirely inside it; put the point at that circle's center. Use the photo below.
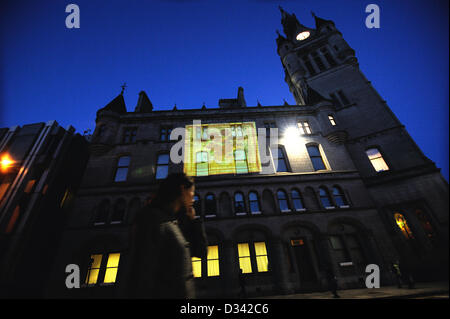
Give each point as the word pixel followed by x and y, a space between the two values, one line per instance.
pixel 6 162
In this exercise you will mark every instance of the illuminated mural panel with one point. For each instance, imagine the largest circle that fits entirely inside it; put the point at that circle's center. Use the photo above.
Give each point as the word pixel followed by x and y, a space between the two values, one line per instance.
pixel 221 148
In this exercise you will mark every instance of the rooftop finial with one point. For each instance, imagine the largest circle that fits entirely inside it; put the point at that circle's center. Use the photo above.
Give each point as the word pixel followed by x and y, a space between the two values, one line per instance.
pixel 123 86
pixel 313 14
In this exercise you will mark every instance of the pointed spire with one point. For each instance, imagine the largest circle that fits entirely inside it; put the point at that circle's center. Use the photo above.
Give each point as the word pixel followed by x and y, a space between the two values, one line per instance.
pixel 123 86
pixel 144 104
pixel 321 22
pixel 174 107
pixel 258 104
pixel 116 105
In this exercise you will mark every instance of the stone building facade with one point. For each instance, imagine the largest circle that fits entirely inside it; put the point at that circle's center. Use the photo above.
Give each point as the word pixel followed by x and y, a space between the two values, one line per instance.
pixel 343 187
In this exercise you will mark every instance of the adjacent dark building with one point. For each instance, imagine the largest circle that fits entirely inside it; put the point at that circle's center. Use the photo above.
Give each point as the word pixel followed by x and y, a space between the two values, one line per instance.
pixel 41 167
pixel 343 186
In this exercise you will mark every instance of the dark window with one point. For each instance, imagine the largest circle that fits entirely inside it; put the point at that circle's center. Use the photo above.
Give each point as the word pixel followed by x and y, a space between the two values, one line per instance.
pixel 343 98
pixel 197 205
pixel 102 213
pixel 162 166
pixel 122 169
pixel 339 197
pixel 328 57
pixel 325 198
pixel 297 200
pixel 308 65
pixel 426 225
pixel 316 157
pixel 254 203
pixel 129 135
pixel 164 133
pixel 210 205
pixel 239 204
pixel 318 61
pixel 335 100
pixel 282 201
pixel 118 212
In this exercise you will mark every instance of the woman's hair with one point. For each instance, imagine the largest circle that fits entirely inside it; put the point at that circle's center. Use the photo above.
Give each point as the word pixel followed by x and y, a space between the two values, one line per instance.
pixel 170 188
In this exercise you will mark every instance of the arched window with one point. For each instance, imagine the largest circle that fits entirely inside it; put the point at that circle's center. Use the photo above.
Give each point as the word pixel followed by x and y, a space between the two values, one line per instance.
pixel 403 225
pixel 332 120
pixel 254 203
pixel 426 225
pixel 102 213
pixel 239 204
pixel 282 201
pixel 316 157
pixel 197 205
pixel 339 197
pixel 162 166
pixel 210 206
pixel 279 160
pixel 297 200
pixel 122 169
pixel 325 198
pixel 240 160
pixel 201 161
pixel 119 211
pixel 377 160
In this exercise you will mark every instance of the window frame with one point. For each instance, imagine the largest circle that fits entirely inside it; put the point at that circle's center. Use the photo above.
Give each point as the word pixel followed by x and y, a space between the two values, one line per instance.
pixel 320 156
pixel 159 165
pixel 250 201
pixel 285 199
pixel 244 211
pixel 119 167
pixel 381 155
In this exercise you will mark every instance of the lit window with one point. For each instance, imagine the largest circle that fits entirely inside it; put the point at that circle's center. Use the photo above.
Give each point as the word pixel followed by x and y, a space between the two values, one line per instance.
pixel 254 203
pixel 111 268
pixel 93 269
pixel 129 135
pixel 240 162
pixel 325 198
pixel 202 163
pixel 279 160
pixel 339 197
pixel 282 201
pixel 297 200
pixel 304 127
pixel 403 225
pixel 239 204
pixel 162 166
pixel 213 261
pixel 244 258
pixel 316 157
pixel 377 160
pixel 197 267
pixel 122 169
pixel 261 257
pixel 332 121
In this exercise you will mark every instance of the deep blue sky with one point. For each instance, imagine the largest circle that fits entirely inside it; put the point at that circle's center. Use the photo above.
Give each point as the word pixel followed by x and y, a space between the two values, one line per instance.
pixel 193 51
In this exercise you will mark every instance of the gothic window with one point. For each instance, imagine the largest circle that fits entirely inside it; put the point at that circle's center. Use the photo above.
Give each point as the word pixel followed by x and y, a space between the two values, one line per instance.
pixel 162 166
pixel 279 160
pixel 122 169
pixel 283 204
pixel 297 200
pixel 339 197
pixel 118 211
pixel 331 119
pixel 376 159
pixel 239 204
pixel 316 157
pixel 211 267
pixel 129 135
pixel 210 205
pixel 304 127
pixel 164 133
pixel 403 225
pixel 318 61
pixel 308 65
pixel 254 203
pixel 426 225
pixel 102 213
pixel 325 198
pixel 253 253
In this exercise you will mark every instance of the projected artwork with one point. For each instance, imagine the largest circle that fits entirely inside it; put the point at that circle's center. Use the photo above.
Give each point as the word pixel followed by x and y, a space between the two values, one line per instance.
pixel 225 148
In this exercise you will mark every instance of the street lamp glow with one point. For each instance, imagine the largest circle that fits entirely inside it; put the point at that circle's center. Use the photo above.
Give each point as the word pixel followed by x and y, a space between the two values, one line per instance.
pixel 6 162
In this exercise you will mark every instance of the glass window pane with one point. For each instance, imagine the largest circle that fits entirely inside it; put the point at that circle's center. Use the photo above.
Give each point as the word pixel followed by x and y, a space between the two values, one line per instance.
pixel 252 196
pixel 238 197
pixel 244 258
pixel 196 267
pixel 318 163
pixel 111 268
pixel 163 159
pixel 336 242
pixel 313 150
pixel 123 161
pixel 121 174
pixel 94 268
pixel 162 171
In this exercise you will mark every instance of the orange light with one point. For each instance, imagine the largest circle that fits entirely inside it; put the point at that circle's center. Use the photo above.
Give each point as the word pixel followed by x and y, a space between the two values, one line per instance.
pixel 6 162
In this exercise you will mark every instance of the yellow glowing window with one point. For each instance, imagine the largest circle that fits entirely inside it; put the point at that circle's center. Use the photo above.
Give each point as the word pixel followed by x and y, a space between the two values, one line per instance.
pixel 261 256
pixel 111 268
pixel 403 225
pixel 202 163
pixel 304 127
pixel 197 267
pixel 377 160
pixel 332 121
pixel 244 258
pixel 213 261
pixel 94 269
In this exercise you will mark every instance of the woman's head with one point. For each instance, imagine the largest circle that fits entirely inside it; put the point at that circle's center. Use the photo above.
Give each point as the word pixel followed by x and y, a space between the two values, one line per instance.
pixel 177 189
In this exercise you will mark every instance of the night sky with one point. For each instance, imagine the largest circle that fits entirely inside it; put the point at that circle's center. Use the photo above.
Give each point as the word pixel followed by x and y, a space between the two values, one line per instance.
pixel 193 52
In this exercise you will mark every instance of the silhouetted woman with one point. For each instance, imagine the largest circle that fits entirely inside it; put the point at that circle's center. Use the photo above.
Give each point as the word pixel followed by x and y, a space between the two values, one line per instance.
pixel 165 234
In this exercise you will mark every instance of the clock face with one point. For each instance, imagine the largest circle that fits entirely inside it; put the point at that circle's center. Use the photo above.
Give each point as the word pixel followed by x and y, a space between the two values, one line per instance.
pixel 303 35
